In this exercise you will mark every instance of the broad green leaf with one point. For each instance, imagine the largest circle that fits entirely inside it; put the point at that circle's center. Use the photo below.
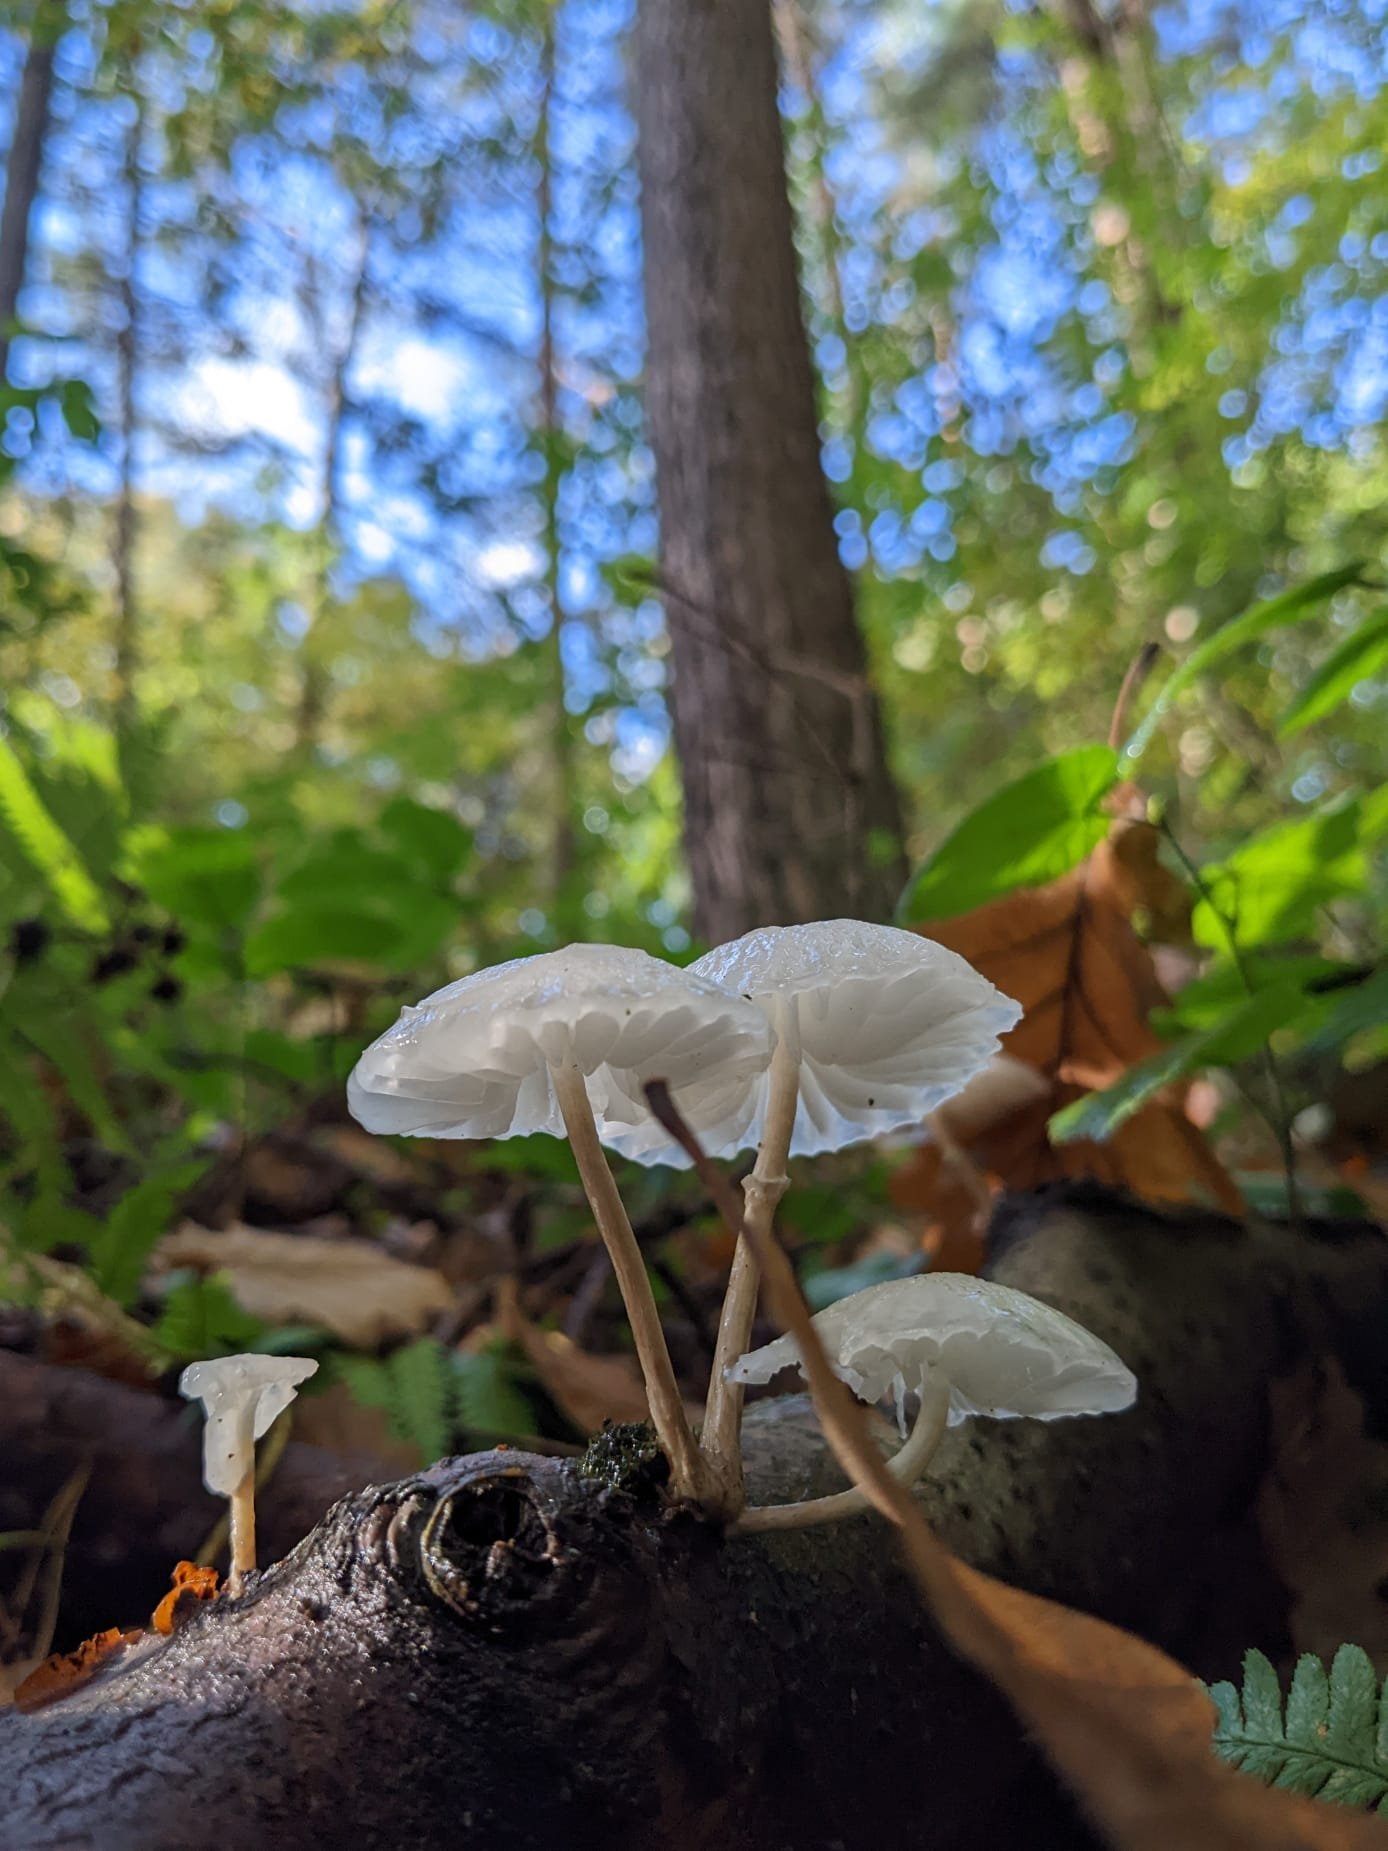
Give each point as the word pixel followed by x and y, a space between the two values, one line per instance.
pixel 1273 888
pixel 1225 985
pixel 1242 1033
pixel 311 937
pixel 1350 1011
pixel 204 876
pixel 45 846
pixel 1288 607
pixel 431 838
pixel 1030 832
pixel 338 876
pixel 1363 654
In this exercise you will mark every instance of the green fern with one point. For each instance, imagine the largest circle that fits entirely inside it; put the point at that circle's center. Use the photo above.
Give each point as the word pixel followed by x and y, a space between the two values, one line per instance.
pixel 1332 1743
pixel 413 1387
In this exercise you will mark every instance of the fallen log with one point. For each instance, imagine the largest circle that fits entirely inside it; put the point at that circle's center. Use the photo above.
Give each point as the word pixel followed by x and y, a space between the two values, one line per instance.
pixel 502 1652
pixel 144 1507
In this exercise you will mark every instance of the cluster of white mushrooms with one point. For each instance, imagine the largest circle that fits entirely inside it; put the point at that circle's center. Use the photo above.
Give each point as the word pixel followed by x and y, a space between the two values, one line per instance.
pixel 792 1040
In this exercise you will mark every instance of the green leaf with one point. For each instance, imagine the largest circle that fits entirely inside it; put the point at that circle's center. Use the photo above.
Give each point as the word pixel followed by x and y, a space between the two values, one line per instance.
pixel 1350 1012
pixel 79 410
pixel 1273 887
pixel 431 838
pixel 311 937
pixel 1288 607
pixel 202 876
pixel 1239 1034
pixel 487 1397
pixel 1334 1744
pixel 1224 986
pixel 1030 832
pixel 66 1042
pixel 413 1387
pixel 45 846
pixel 134 1228
pixel 202 1318
pixel 355 877
pixel 1362 654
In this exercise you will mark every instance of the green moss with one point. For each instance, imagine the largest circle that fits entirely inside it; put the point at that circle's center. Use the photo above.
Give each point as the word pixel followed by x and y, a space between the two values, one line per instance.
pixel 626 1458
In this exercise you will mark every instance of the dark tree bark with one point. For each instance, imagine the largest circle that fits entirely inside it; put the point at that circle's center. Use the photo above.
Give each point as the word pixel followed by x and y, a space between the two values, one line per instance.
pixel 24 164
pixel 790 809
pixel 502 1654
pixel 125 538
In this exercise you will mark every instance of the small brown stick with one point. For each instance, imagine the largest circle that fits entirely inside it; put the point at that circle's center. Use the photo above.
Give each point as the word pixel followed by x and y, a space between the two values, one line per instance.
pixel 1139 669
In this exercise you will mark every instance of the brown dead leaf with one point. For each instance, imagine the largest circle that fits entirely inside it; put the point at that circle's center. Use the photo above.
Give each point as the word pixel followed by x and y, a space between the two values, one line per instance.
pixel 1323 1513
pixel 1126 1726
pixel 191 1583
pixel 349 1286
pixel 1070 956
pixel 587 1389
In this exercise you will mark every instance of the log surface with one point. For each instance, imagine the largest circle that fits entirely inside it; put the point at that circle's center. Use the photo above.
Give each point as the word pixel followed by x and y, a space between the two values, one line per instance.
pixel 500 1653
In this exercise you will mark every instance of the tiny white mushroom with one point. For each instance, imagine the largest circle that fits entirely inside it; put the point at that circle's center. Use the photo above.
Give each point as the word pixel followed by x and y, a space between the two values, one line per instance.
pixel 242 1397
pixel 874 1029
pixel 562 1043
pixel 967 1346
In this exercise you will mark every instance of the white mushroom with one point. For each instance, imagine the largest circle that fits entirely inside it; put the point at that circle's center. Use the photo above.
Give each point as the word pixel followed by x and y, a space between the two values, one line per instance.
pixel 242 1397
pixel 542 1044
pixel 967 1346
pixel 880 1026
pixel 874 1028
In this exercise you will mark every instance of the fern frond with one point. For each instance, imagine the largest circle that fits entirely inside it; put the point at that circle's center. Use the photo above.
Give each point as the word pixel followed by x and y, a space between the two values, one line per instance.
pixel 413 1387
pixel 1332 1741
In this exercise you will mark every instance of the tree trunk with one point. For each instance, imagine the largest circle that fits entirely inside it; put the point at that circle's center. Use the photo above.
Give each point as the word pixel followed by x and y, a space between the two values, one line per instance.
pixel 24 163
pixel 790 810
pixel 128 354
pixel 501 1653
pixel 563 842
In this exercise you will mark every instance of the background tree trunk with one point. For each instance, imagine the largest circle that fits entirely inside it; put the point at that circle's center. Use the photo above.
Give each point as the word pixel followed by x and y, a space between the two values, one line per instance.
pixel 790 810
pixel 23 165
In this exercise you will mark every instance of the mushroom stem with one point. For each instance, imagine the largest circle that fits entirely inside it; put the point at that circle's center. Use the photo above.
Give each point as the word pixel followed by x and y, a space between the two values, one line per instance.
pixel 688 1469
pixel 242 1529
pixel 763 1189
pixel 906 1465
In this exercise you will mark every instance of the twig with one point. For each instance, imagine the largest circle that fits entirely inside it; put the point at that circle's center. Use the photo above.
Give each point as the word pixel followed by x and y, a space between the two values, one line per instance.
pixel 1139 669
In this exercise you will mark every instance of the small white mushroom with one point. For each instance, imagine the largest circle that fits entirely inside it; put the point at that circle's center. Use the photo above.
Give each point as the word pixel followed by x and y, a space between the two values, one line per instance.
pixel 242 1397
pixel 562 1043
pixel 874 1028
pixel 967 1346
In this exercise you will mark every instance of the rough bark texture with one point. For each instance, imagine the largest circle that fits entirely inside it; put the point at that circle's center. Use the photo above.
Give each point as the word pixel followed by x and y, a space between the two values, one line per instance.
pixel 790 811
pixel 23 164
pixel 501 1653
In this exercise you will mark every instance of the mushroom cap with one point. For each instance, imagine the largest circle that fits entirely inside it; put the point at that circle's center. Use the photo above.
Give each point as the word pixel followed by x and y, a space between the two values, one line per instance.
pixel 242 1396
pixel 472 1060
pixel 890 1025
pixel 1004 1354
